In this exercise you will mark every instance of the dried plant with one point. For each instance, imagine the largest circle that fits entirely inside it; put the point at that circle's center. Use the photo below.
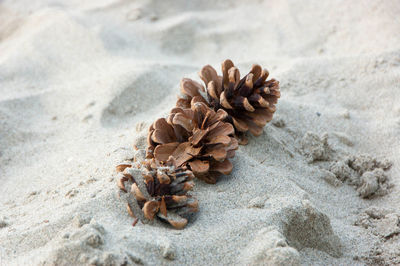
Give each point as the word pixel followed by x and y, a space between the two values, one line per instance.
pixel 157 191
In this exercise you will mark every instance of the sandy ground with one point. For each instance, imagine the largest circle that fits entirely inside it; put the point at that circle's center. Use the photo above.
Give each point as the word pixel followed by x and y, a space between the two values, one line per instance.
pixel 80 83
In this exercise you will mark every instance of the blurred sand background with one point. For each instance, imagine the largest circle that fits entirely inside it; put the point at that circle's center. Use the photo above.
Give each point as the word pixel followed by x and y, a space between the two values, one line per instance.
pixel 81 81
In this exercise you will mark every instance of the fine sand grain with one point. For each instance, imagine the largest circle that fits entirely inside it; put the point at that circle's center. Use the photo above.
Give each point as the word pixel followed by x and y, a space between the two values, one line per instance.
pixel 81 81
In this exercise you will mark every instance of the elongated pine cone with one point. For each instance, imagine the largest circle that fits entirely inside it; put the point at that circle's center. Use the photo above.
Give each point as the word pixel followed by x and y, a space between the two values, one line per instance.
pixel 196 138
pixel 157 191
pixel 249 102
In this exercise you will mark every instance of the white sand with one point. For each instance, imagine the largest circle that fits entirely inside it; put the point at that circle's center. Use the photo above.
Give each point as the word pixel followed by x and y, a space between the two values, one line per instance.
pixel 80 83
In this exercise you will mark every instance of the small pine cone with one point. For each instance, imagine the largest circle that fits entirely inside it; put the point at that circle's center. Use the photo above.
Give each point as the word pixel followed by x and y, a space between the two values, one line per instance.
pixel 159 192
pixel 196 138
pixel 249 102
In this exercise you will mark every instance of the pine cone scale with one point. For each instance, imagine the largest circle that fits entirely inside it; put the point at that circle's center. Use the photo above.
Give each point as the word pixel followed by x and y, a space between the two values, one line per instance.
pixel 222 129
pixel 224 101
pixel 161 125
pixel 198 136
pixel 199 167
pixel 191 87
pixel 208 74
pixel 183 121
pixel 226 65
pixel 180 154
pixel 254 129
pixel 240 125
pixel 218 140
pixel 163 207
pixel 150 209
pixel 162 152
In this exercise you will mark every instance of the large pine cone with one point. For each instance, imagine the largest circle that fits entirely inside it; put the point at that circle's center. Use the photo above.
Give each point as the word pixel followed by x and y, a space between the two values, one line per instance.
pixel 197 138
pixel 159 192
pixel 249 102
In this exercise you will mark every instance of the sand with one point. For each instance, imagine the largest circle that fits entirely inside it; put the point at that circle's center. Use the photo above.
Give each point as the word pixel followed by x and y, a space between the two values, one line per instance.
pixel 80 82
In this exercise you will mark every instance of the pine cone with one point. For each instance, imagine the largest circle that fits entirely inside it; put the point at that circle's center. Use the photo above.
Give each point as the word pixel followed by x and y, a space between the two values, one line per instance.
pixel 197 138
pixel 249 102
pixel 159 191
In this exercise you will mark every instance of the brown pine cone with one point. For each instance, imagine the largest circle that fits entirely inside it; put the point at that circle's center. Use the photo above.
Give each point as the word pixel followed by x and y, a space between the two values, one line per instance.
pixel 197 138
pixel 159 192
pixel 249 102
